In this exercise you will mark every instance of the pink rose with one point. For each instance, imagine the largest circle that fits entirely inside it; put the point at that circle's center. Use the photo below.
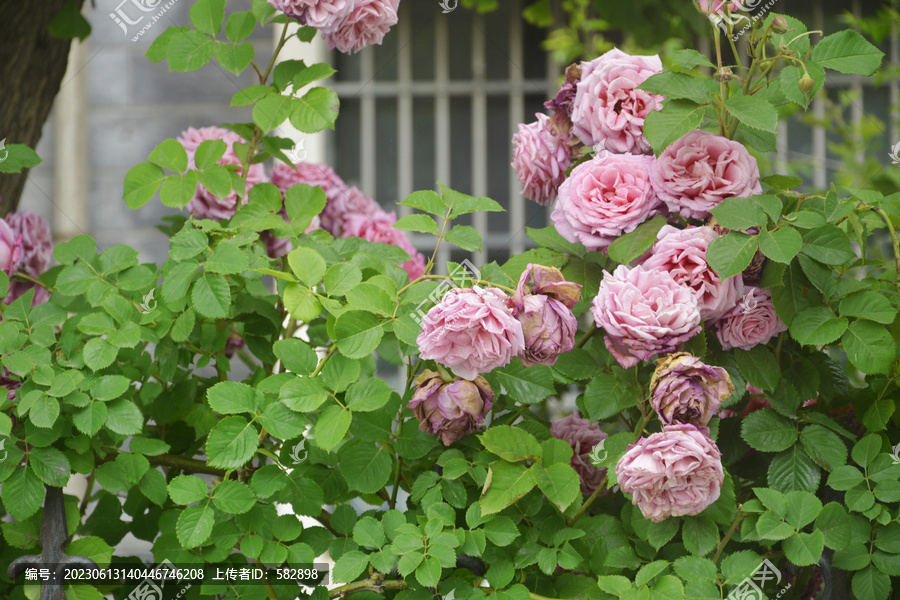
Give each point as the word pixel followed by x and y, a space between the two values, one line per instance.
pixel 471 331
pixel 326 15
pixel 609 107
pixel 682 252
pixel 753 321
pixel 605 197
pixel 582 436
pixel 37 241
pixel 543 304
pixel 450 410
pixel 717 6
pixel 339 200
pixel 204 204
pixel 292 8
pixel 540 160
pixel 684 389
pixel 378 226
pixel 698 171
pixel 673 473
pixel 10 249
pixel 644 312
pixel 367 23
pixel 348 202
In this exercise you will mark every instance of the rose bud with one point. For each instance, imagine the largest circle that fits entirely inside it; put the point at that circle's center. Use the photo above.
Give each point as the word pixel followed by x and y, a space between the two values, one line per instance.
pixel 675 472
pixel 450 410
pixel 806 85
pixel 779 25
pixel 543 303
pixel 685 390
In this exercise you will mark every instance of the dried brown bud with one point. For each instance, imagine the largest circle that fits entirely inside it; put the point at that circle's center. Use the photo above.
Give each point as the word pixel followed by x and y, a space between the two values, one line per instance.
pixel 779 25
pixel 724 74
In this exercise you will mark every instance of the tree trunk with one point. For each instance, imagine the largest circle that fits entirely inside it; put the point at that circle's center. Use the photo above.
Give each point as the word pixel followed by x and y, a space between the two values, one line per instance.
pixel 32 65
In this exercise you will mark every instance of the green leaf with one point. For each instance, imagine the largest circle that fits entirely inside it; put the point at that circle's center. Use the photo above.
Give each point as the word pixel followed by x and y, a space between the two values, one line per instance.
pixel 350 566
pixel 231 397
pixel 802 508
pixel 187 489
pixel 781 245
pixel 501 531
pixel 272 111
pixel 23 493
pixel 870 583
pixel 177 190
pixel 231 443
pixel 212 296
pixel 699 535
pixel 824 447
pixel 817 326
pixel 740 213
pixel 847 52
pixel 301 302
pixel 559 482
pixel 828 245
pixel 123 417
pixel 364 466
pixel 630 246
pixel 834 523
pixel 282 422
pixel 417 222
pixel 170 155
pixel 227 259
pixel 233 497
pixel 99 354
pixel 44 412
pixel 187 243
pixel 239 26
pixel 687 59
pixel 371 298
pixel 296 355
pixel 141 183
pixel 183 326
pixel 793 470
pixel 148 446
pixel 315 111
pixel 69 23
pixel 303 395
pixel 369 533
pixel 368 395
pixel 311 73
pixel 869 347
pixel 771 527
pixel 308 265
pixel 512 444
pixel 463 204
pixel 845 478
pixel 465 237
pixel 878 414
pixel 731 254
pixel 217 180
pixel 680 85
pixel 207 15
pixel 331 427
pixel 189 51
pixel 804 549
pixel 18 157
pixel 208 153
pixel 526 385
pixel 429 571
pixel 677 117
pixel 506 484
pixel 109 387
pixel 866 450
pixel 753 112
pixel 50 465
pixel 194 525
pixel 91 418
pixel 759 366
pixel 426 201
pixel 234 58
pixel 357 333
pixel 341 278
pixel 868 305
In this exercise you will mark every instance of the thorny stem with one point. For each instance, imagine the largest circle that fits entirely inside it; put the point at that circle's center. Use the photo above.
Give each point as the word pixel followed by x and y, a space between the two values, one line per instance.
pixel 372 584
pixel 588 335
pixel 590 500
pixel 724 541
pixel 324 360
pixel 31 279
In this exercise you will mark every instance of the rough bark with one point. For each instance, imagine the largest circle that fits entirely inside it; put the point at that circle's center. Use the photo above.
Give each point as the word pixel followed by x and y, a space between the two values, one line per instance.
pixel 32 65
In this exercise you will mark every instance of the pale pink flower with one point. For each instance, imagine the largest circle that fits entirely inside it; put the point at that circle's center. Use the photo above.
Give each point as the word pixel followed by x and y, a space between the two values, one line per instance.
pixel 582 436
pixel 717 6
pixel 450 410
pixel 682 252
pixel 543 304
pixel 367 23
pixel 684 389
pixel 540 160
pixel 471 331
pixel 698 171
pixel 605 197
pixel 752 322
pixel 37 241
pixel 644 312
pixel 673 473
pixel 10 249
pixel 609 107
pixel 325 15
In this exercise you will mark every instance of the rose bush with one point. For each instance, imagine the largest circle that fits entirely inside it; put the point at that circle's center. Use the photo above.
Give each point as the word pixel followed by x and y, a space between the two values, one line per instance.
pixel 527 446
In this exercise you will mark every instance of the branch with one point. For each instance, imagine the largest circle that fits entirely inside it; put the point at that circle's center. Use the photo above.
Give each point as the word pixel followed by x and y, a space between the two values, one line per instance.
pixel 724 541
pixel 372 584
pixel 187 464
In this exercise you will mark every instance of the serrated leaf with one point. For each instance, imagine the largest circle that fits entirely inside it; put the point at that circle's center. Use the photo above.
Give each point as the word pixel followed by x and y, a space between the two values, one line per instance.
pixel 817 326
pixel 753 112
pixel 730 254
pixel 212 296
pixel 231 443
pixel 630 246
pixel 847 52
pixel 781 245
